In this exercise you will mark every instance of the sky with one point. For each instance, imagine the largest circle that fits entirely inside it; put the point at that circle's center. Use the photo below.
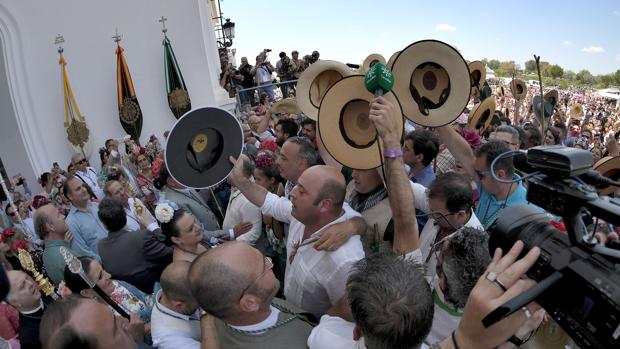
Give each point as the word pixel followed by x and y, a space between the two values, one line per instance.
pixel 574 34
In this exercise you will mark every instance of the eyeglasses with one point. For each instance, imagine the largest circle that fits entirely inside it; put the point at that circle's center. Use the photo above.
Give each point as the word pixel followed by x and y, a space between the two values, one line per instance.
pixel 83 161
pixel 268 266
pixel 436 215
pixel 11 214
pixel 482 174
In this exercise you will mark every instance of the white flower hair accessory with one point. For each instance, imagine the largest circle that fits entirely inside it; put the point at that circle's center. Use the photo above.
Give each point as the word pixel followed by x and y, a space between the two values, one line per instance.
pixel 164 212
pixel 126 138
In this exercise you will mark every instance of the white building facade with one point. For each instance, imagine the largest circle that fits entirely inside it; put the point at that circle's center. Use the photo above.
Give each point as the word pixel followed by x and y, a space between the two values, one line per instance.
pixel 32 135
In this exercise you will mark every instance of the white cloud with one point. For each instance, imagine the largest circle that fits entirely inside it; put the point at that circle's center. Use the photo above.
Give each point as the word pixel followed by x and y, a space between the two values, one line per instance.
pixel 593 49
pixel 567 43
pixel 618 57
pixel 445 27
pixel 616 13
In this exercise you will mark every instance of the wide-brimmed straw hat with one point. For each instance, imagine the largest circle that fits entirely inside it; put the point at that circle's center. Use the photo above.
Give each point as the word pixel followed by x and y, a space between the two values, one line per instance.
pixel 432 82
pixel 481 116
pixel 314 82
pixel 344 127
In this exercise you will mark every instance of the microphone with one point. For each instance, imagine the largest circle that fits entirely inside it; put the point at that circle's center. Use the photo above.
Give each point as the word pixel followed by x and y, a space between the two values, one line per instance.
pixel 379 79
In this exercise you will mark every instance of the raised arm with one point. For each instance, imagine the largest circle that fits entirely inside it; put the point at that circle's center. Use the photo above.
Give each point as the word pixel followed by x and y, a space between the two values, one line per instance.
pixel 252 191
pixel 459 148
pixel 406 235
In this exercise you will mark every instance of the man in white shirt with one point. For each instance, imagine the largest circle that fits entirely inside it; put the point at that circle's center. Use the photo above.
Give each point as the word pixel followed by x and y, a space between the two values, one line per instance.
pixel 175 320
pixel 314 280
pixel 87 174
pixel 241 211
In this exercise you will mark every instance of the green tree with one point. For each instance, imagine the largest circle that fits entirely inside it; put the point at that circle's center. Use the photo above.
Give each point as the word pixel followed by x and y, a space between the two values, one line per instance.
pixel 617 77
pixel 555 71
pixel 584 77
pixel 508 66
pixel 494 64
pixel 530 66
pixel 606 80
pixel 569 75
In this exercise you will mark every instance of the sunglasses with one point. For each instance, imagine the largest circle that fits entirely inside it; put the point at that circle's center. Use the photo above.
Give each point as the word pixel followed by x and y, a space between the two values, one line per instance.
pixel 83 161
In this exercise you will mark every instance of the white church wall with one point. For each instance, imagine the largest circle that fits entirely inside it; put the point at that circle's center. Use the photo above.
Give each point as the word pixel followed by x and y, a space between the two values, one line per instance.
pixel 28 29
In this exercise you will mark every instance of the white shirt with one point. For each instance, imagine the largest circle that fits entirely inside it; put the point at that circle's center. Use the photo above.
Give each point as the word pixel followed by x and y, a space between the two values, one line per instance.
pixel 429 233
pixel 334 332
pixel 172 330
pixel 271 320
pixel 240 210
pixel 133 223
pixel 90 177
pixel 315 280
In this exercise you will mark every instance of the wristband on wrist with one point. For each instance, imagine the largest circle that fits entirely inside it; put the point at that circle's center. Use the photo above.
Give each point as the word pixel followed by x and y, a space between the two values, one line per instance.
pixel 393 153
pixel 456 346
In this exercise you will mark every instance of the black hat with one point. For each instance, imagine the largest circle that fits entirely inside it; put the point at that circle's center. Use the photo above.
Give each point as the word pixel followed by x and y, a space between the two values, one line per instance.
pixel 199 145
pixel 547 106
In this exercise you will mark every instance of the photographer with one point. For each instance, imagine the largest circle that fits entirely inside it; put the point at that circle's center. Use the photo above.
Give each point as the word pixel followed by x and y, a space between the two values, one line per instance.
pixel 244 74
pixel 262 73
pixel 285 68
pixel 299 67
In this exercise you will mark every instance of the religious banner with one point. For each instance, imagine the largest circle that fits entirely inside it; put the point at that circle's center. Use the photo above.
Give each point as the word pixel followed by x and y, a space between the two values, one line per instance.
pixel 178 97
pixel 78 133
pixel 128 106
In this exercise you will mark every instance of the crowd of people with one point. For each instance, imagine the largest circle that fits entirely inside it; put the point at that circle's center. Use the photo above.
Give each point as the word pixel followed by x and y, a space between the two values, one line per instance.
pixel 291 251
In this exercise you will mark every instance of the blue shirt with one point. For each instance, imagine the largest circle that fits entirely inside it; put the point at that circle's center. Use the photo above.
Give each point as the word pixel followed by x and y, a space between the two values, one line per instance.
pixel 425 177
pixel 87 230
pixel 489 207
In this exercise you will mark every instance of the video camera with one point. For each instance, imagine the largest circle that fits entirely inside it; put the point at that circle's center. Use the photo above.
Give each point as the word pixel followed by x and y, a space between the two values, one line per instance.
pixel 578 279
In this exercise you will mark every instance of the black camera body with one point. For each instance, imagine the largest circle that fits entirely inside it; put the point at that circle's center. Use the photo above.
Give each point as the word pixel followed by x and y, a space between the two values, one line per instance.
pixel 578 280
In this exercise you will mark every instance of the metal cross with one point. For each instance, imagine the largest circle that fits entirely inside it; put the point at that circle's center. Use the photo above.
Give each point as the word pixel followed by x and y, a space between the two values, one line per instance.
pixel 118 37
pixel 163 20
pixel 59 41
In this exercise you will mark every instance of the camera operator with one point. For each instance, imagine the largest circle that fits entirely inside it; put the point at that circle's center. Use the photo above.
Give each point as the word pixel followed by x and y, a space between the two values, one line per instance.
pixel 299 67
pixel 494 195
pixel 312 58
pixel 262 73
pixel 244 75
pixel 285 68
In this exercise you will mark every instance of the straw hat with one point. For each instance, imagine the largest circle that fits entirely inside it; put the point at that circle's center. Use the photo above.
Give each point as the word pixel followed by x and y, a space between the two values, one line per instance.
pixel 313 83
pixel 477 73
pixel 518 89
pixel 347 133
pixel 199 145
pixel 390 62
pixel 609 167
pixel 553 97
pixel 432 82
pixel 576 111
pixel 482 115
pixel 371 60
pixel 499 91
pixel 288 106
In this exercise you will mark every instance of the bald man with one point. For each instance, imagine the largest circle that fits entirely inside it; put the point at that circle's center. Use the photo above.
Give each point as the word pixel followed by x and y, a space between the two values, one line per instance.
pixel 175 320
pixel 314 280
pixel 235 283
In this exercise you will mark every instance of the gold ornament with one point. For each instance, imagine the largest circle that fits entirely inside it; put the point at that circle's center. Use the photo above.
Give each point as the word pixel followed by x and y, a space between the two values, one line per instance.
pixel 27 263
pixel 130 111
pixel 77 133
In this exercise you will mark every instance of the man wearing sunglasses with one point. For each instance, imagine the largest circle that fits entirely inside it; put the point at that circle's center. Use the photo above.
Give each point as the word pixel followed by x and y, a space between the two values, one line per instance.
pixel 87 174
